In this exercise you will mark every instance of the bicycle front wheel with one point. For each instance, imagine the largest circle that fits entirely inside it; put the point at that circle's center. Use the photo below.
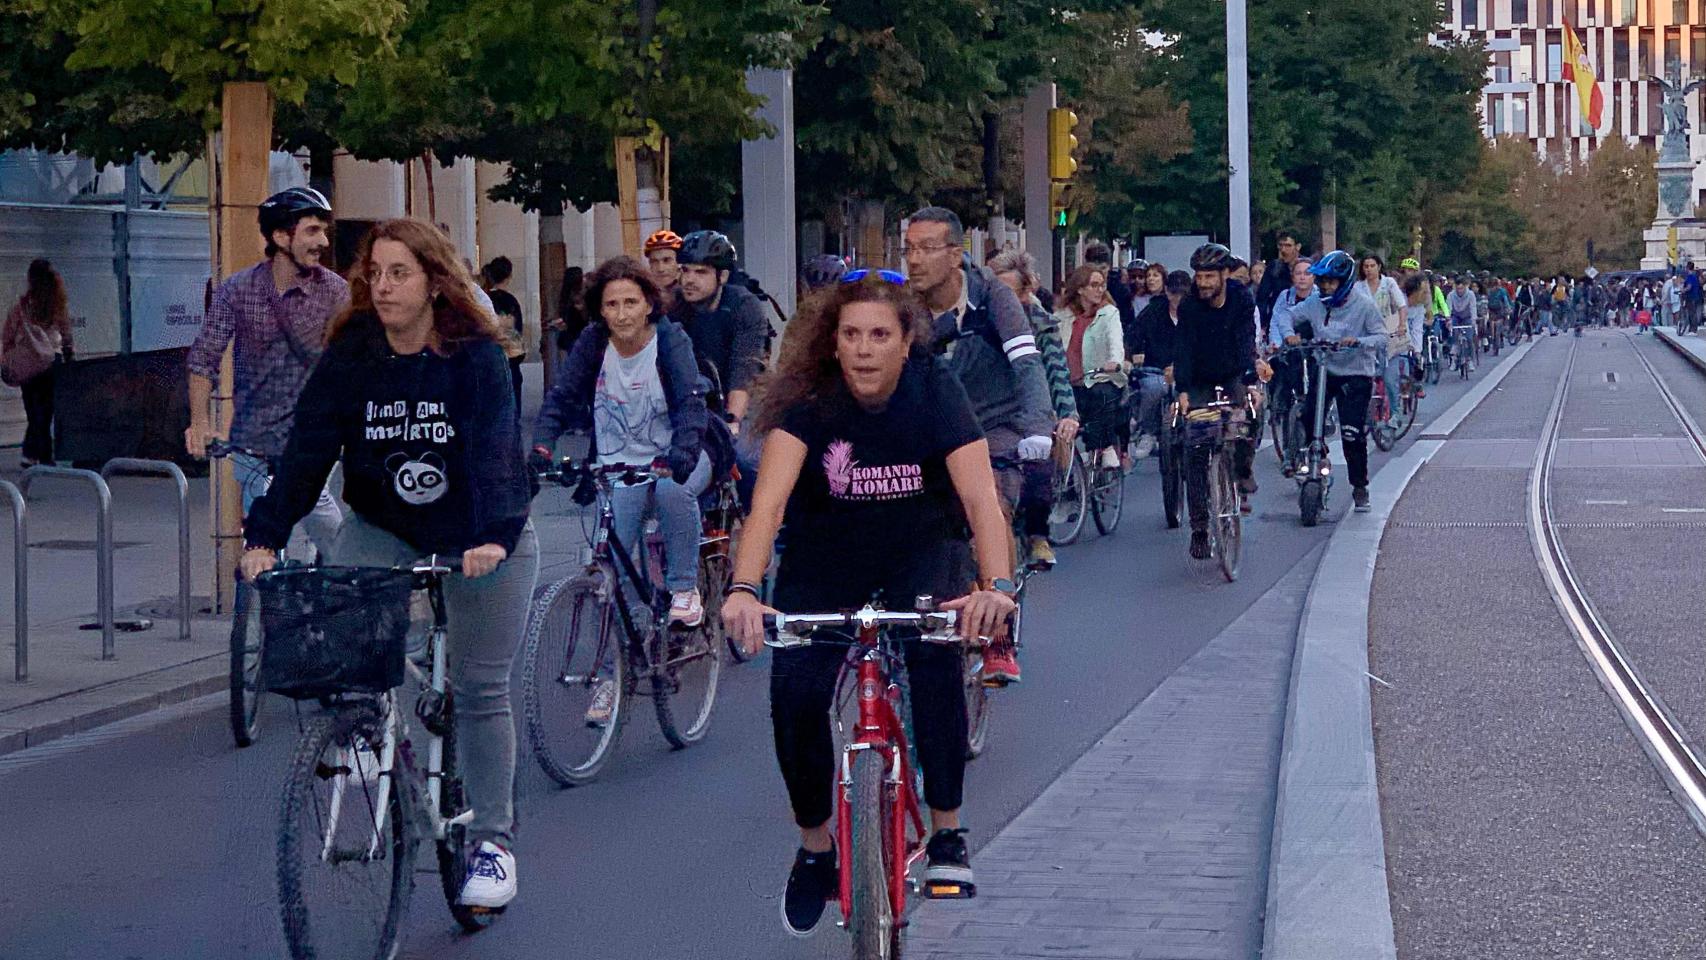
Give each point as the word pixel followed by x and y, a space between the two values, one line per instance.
pixel 977 704
pixel 876 935
pixel 246 692
pixel 1071 503
pixel 689 662
pixel 1228 531
pixel 345 850
pixel 1107 499
pixel 574 680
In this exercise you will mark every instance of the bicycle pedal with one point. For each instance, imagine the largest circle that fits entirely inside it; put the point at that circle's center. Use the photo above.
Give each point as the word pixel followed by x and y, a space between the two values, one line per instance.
pixel 948 890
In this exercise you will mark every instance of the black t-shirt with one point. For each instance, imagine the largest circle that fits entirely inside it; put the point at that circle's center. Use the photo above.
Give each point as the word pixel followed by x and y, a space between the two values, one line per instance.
pixel 874 511
pixel 506 305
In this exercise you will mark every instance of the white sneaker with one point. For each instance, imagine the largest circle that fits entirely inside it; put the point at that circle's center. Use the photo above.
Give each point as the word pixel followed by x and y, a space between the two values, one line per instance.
pixel 603 705
pixel 1145 446
pixel 1110 459
pixel 491 878
pixel 686 608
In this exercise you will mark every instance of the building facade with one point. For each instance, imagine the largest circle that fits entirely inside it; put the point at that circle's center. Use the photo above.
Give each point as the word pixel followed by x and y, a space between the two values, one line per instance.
pixel 1627 42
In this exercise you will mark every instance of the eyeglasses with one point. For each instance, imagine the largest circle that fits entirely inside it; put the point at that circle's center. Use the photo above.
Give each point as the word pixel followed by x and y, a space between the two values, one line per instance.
pixel 928 248
pixel 898 279
pixel 397 275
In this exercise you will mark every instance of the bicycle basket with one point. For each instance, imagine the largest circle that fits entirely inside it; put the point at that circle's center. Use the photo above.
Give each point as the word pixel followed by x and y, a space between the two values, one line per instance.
pixel 331 630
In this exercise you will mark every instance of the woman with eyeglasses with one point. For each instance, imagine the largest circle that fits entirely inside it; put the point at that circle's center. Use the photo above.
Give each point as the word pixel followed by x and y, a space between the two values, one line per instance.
pixel 413 395
pixel 875 459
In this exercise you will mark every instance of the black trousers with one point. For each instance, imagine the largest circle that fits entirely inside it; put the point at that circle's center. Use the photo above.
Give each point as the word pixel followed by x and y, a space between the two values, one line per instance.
pixel 515 376
pixel 38 414
pixel 1036 496
pixel 1100 411
pixel 802 686
pixel 1351 396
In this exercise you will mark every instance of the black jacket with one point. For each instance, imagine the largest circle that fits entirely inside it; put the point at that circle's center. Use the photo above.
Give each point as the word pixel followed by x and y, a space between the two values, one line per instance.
pixel 429 443
pixel 1215 347
pixel 1274 282
pixel 1157 336
pixel 730 338
pixel 569 404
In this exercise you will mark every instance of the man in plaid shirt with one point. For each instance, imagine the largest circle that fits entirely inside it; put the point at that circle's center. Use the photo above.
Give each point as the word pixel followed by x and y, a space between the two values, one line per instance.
pixel 276 311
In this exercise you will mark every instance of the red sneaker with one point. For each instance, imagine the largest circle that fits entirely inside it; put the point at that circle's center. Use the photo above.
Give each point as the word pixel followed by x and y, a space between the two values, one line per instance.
pixel 1000 666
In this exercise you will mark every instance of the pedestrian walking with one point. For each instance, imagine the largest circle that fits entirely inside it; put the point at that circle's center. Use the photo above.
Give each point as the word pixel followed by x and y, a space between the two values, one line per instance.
pixel 36 336
pixel 508 311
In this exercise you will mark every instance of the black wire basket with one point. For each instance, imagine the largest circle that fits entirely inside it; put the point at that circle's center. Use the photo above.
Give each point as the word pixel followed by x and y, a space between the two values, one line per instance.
pixel 334 630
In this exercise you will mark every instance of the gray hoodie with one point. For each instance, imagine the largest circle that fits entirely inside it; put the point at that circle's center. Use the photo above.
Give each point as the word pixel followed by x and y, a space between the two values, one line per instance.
pixel 1357 317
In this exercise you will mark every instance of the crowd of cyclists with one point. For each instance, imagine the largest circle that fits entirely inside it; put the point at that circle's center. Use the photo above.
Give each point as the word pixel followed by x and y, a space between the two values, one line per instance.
pixel 936 402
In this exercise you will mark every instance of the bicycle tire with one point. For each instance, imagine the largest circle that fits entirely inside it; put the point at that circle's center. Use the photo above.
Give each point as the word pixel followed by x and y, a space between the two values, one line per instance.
pixel 1072 497
pixel 679 655
pixel 1108 499
pixel 244 681
pixel 1172 476
pixel 550 642
pixel 1309 502
pixel 455 848
pixel 871 920
pixel 977 704
pixel 1435 371
pixel 296 850
pixel 1227 517
pixel 1379 416
pixel 1404 417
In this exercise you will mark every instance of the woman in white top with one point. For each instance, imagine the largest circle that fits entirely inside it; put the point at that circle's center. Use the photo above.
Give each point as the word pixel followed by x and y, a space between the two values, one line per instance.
pixel 1389 300
pixel 1095 358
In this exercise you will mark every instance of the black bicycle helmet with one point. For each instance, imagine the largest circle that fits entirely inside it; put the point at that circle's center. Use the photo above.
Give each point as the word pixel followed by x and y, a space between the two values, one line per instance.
pixel 1212 256
pixel 707 247
pixel 822 270
pixel 283 209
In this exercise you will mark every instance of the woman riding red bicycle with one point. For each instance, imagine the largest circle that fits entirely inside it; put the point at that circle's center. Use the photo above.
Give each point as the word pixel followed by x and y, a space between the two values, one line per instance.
pixel 876 461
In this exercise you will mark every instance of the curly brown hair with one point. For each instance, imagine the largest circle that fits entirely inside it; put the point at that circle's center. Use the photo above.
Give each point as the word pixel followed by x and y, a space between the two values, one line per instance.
pixel 1076 283
pixel 621 267
pixel 457 317
pixel 807 370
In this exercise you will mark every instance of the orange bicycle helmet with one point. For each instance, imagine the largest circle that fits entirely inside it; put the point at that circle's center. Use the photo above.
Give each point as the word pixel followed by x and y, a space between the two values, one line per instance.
pixel 663 240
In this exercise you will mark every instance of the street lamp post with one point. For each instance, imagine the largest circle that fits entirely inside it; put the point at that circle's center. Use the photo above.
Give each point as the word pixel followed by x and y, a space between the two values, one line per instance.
pixel 1238 128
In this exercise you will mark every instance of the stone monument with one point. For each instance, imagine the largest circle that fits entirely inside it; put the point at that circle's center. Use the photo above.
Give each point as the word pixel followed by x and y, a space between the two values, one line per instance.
pixel 1676 180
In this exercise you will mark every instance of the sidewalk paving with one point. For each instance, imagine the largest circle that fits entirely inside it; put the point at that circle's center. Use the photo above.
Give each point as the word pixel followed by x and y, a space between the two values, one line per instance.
pixel 70 688
pixel 1692 346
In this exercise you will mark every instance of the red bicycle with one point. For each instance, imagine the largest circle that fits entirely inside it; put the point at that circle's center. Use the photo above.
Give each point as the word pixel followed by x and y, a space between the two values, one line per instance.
pixel 879 821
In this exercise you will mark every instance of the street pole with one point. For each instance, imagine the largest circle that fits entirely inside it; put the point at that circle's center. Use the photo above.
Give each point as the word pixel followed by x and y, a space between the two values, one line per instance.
pixel 1039 233
pixel 1238 128
pixel 769 247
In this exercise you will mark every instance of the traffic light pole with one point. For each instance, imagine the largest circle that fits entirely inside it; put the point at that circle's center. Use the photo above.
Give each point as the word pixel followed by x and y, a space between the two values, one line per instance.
pixel 1039 229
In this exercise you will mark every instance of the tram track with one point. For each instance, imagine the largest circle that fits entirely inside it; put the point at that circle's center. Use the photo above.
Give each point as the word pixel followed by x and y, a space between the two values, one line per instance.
pixel 1677 757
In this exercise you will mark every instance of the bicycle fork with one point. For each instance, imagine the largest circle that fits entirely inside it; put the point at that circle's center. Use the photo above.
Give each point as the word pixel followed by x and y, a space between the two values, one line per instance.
pixel 878 729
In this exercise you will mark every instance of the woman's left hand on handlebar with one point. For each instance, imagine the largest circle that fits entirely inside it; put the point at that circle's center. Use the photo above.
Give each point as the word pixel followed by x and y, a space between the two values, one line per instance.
pixel 481 560
pixel 983 613
pixel 743 617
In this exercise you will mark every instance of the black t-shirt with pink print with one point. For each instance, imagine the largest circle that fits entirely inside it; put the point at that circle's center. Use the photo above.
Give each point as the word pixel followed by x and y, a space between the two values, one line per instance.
pixel 874 512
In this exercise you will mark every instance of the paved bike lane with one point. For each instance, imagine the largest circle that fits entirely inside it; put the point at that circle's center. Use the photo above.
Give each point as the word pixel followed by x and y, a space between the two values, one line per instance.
pixel 166 827
pixel 1521 818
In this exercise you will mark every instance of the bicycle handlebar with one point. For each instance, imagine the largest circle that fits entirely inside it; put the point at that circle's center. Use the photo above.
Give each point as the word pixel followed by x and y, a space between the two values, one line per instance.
pixel 218 449
pixel 569 472
pixel 794 630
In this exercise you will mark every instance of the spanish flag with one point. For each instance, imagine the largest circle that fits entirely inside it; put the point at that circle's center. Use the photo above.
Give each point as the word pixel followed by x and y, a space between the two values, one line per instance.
pixel 1577 71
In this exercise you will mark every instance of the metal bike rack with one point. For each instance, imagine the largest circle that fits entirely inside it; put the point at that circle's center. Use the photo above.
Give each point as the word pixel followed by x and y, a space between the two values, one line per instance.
pixel 132 467
pixel 103 542
pixel 20 581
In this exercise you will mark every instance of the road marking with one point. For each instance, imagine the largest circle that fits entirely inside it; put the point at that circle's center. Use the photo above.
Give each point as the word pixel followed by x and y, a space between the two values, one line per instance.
pixel 1682 509
pixel 1595 429
pixel 1606 503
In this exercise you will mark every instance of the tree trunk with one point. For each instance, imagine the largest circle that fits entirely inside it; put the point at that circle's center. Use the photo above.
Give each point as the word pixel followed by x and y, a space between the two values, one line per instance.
pixel 1329 227
pixel 994 198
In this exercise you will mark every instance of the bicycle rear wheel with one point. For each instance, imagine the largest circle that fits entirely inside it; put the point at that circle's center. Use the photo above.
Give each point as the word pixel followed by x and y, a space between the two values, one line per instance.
pixel 246 691
pixel 876 935
pixel 684 685
pixel 1107 499
pixel 1403 416
pixel 573 652
pixel 1223 500
pixel 455 849
pixel 345 847
pixel 1071 503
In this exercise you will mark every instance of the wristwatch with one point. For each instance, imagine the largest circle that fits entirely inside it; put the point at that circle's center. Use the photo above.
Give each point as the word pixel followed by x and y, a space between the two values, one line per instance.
pixel 1002 585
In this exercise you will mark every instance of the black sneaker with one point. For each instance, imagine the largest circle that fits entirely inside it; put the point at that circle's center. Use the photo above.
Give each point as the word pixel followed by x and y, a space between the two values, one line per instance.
pixel 1359 497
pixel 948 873
pixel 812 883
pixel 1199 545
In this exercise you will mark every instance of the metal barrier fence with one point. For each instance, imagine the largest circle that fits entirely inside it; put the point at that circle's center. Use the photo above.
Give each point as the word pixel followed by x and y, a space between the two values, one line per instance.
pixel 130 466
pixel 103 541
pixel 20 582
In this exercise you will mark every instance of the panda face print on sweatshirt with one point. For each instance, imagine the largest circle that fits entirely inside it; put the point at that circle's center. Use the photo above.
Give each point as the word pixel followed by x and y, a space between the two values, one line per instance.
pixel 417 478
pixel 418 482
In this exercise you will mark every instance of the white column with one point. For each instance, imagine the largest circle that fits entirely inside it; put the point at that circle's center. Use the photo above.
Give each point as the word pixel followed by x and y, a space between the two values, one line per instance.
pixel 1035 145
pixel 1238 128
pixel 368 190
pixel 451 203
pixel 767 190
pixel 506 230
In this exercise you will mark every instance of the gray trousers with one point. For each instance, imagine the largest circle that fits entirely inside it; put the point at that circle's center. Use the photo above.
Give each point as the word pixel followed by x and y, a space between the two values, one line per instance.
pixel 677 507
pixel 487 617
pixel 321 524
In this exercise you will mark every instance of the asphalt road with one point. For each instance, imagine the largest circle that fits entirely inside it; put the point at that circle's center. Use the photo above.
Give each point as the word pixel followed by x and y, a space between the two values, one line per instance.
pixel 155 838
pixel 1521 817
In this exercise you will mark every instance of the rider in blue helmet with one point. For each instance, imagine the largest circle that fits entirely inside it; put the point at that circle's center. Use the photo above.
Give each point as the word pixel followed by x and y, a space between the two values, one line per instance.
pixel 1343 313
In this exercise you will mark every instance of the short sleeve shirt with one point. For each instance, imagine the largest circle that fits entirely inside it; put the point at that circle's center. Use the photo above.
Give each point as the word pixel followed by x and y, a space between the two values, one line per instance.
pixel 874 513
pixel 629 409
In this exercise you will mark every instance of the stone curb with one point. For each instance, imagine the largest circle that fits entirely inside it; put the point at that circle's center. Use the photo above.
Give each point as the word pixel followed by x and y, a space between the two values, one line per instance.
pixel 1327 885
pixel 1670 340
pixel 34 724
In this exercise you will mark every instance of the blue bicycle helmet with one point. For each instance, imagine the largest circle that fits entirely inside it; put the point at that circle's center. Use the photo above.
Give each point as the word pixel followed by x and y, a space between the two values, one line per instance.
pixel 1339 266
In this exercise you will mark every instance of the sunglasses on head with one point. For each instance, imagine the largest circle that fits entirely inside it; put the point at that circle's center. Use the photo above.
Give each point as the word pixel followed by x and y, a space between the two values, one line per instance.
pixel 898 279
